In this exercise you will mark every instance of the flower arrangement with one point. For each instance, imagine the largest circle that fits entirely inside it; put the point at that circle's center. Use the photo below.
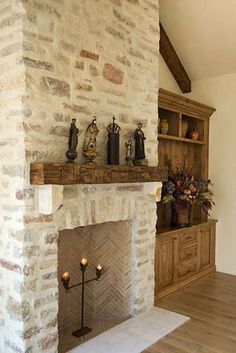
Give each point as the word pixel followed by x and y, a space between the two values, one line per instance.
pixel 184 190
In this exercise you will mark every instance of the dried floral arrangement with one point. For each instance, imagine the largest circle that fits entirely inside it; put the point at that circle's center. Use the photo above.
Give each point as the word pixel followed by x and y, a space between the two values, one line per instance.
pixel 183 190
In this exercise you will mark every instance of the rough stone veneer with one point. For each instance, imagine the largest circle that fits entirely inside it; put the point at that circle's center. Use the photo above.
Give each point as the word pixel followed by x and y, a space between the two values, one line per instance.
pixel 58 60
pixel 14 310
pixel 84 205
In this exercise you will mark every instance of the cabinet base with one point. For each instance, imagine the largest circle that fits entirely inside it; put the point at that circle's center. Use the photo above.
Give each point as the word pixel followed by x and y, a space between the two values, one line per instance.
pixel 168 291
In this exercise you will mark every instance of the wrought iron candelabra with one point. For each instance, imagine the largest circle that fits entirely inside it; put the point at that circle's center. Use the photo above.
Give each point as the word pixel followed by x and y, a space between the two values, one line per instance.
pixel 66 283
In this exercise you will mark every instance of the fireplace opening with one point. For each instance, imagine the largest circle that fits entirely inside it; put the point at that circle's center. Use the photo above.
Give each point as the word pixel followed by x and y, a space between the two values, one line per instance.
pixel 107 302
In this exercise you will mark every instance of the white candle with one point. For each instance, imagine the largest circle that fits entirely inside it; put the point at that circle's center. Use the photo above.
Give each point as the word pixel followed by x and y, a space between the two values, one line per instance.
pixel 65 275
pixel 84 261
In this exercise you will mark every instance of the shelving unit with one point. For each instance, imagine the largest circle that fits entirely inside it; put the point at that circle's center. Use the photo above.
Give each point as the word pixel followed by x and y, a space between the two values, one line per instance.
pixel 182 255
pixel 174 148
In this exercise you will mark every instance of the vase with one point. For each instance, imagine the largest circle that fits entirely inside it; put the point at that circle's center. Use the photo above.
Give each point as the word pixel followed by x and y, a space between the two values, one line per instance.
pixel 182 218
pixel 164 126
pixel 193 135
pixel 184 125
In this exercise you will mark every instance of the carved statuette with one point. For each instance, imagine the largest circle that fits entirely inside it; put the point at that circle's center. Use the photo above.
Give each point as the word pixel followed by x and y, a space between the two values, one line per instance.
pixel 140 158
pixel 71 154
pixel 129 152
pixel 113 143
pixel 89 147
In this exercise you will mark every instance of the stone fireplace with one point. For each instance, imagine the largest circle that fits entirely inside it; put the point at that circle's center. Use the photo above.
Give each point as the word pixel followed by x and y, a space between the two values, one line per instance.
pixel 124 245
pixel 60 60
pixel 70 207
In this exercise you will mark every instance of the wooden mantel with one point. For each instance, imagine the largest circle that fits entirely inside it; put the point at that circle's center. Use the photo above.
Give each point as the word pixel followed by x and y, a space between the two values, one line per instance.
pixel 66 174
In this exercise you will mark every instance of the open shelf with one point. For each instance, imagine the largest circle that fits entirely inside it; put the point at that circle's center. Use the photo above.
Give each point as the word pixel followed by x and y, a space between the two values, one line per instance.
pixel 173 121
pixel 180 139
pixel 177 148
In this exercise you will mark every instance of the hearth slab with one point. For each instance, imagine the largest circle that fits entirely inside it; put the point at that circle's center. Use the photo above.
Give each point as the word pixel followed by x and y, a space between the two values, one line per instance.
pixel 134 335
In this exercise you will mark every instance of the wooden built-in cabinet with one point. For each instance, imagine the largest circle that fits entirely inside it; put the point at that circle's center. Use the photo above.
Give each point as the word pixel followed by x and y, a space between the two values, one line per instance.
pixel 183 255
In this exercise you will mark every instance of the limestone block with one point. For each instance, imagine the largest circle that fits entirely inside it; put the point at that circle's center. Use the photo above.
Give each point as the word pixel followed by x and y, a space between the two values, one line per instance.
pixel 49 198
pixel 154 189
pixel 158 192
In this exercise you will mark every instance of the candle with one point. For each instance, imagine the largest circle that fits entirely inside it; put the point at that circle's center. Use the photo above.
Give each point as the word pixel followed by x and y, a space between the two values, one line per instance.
pixel 84 261
pixel 98 271
pixel 65 276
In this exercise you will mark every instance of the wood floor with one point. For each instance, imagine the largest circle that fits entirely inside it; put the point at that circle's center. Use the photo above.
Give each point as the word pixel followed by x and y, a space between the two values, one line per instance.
pixel 211 304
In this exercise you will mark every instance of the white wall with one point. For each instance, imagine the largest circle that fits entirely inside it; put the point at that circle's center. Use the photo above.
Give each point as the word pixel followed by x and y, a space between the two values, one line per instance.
pixel 218 92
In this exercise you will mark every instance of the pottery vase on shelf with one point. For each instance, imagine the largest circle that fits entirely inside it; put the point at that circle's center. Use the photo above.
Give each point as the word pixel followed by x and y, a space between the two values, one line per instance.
pixel 194 135
pixel 184 126
pixel 164 126
pixel 182 218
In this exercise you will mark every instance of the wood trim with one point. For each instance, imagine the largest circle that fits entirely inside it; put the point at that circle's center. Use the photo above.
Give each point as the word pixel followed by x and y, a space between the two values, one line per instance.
pixel 173 62
pixel 66 174
pixel 180 139
pixel 163 231
pixel 180 104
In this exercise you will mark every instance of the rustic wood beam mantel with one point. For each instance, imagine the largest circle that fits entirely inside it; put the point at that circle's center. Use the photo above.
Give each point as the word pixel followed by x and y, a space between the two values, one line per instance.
pixel 67 174
pixel 173 62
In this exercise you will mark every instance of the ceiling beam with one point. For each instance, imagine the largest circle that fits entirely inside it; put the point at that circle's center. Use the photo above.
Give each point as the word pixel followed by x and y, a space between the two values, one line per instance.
pixel 173 62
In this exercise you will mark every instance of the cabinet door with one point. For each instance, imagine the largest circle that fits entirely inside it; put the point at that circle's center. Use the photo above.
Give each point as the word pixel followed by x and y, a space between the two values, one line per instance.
pixel 207 247
pixel 164 263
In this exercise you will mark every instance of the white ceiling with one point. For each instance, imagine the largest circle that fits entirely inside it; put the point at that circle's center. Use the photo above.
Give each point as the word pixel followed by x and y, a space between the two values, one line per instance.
pixel 203 33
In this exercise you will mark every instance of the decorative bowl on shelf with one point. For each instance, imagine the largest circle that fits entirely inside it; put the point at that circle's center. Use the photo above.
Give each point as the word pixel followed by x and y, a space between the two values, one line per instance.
pixel 194 134
pixel 164 126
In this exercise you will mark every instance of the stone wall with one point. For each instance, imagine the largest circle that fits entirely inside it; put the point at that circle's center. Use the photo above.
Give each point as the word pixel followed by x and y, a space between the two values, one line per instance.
pixel 13 308
pixel 84 58
pixel 58 60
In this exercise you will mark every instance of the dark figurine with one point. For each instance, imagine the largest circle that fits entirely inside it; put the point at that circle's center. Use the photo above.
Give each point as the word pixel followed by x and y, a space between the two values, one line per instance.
pixel 71 154
pixel 139 142
pixel 113 143
pixel 139 158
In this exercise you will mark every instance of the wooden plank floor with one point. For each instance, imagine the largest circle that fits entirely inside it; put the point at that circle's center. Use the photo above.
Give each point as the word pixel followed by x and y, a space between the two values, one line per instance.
pixel 211 304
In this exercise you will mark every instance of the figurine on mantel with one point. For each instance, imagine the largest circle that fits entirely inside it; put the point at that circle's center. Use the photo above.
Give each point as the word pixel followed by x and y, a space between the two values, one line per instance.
pixel 71 154
pixel 89 147
pixel 113 143
pixel 140 158
pixel 129 152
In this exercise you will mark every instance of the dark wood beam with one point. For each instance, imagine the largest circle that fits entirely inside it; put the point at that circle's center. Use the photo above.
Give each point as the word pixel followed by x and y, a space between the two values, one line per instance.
pixel 66 174
pixel 173 62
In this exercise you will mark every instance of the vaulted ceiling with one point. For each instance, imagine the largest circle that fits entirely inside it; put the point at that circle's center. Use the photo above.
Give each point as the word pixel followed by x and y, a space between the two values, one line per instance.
pixel 203 33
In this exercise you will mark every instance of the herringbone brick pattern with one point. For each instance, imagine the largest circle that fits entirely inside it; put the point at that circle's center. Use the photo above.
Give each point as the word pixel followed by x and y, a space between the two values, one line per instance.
pixel 109 244
pixel 67 341
pixel 112 298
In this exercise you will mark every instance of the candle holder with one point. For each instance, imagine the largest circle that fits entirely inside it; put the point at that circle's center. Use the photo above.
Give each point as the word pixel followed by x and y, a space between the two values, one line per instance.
pixel 83 330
